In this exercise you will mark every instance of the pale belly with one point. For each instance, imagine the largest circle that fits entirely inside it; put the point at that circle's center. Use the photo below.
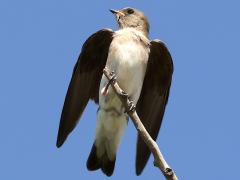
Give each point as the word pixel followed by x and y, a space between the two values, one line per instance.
pixel 128 61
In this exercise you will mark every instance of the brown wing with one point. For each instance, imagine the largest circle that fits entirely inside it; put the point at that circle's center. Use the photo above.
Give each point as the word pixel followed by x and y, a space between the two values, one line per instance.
pixel 85 81
pixel 154 96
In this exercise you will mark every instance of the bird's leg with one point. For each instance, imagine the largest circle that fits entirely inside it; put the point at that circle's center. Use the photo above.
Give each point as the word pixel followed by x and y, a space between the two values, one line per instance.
pixel 113 78
pixel 104 90
pixel 130 105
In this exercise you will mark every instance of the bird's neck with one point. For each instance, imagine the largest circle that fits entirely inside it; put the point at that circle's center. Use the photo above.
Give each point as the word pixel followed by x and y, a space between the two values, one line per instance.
pixel 139 30
pixel 134 33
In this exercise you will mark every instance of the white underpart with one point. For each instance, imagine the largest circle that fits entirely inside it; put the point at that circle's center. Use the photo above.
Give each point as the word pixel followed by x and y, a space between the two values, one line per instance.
pixel 128 55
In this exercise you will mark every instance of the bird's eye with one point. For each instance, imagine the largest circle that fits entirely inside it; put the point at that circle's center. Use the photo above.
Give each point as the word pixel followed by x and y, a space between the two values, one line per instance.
pixel 130 11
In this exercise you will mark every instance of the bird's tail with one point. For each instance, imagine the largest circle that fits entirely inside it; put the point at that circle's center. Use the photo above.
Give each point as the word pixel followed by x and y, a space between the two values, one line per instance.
pixel 104 163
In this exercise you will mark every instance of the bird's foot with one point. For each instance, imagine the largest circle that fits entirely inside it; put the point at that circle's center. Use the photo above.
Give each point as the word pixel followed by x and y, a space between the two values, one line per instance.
pixel 130 105
pixel 113 78
pixel 124 94
pixel 104 90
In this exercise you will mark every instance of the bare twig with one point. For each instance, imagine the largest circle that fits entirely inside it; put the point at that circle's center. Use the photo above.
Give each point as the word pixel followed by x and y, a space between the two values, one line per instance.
pixel 159 160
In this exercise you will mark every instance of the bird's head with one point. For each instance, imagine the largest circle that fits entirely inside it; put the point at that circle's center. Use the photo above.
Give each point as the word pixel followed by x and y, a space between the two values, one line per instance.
pixel 131 18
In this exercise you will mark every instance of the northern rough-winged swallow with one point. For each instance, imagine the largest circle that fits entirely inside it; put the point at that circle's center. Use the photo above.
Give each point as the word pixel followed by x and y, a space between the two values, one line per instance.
pixel 144 70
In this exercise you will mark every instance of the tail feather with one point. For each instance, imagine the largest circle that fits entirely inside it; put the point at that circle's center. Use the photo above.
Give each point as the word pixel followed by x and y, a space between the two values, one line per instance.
pixel 103 163
pixel 107 165
pixel 93 163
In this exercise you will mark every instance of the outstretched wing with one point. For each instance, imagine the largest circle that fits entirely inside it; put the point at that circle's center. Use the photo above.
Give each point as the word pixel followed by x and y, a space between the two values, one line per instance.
pixel 85 81
pixel 154 96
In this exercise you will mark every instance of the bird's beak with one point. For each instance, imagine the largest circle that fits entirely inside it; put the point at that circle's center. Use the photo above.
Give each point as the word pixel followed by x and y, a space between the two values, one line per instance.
pixel 113 11
pixel 116 12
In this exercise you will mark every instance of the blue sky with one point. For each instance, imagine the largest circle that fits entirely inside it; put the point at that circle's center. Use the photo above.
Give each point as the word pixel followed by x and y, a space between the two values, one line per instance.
pixel 40 42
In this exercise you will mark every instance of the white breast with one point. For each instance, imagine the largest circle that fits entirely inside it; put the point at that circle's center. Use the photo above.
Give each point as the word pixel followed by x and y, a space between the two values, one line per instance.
pixel 128 56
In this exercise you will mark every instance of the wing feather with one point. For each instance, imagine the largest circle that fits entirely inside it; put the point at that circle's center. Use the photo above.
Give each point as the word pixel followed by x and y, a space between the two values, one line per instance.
pixel 154 96
pixel 85 81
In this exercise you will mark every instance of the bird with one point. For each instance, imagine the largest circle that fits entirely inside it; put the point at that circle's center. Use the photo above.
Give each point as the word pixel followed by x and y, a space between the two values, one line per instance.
pixel 144 70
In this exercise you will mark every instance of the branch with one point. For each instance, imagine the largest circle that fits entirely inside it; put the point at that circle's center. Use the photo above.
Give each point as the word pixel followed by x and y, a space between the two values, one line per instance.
pixel 159 160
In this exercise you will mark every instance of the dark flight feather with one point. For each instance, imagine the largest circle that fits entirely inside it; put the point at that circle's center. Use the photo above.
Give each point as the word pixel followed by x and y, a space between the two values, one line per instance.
pixel 103 163
pixel 85 81
pixel 154 96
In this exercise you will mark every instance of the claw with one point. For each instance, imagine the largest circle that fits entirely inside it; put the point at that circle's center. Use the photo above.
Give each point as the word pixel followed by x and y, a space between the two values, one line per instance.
pixel 130 107
pixel 104 90
pixel 124 94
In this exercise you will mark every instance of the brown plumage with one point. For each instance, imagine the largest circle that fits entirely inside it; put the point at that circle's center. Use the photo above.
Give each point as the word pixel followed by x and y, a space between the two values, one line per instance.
pixel 154 97
pixel 86 79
